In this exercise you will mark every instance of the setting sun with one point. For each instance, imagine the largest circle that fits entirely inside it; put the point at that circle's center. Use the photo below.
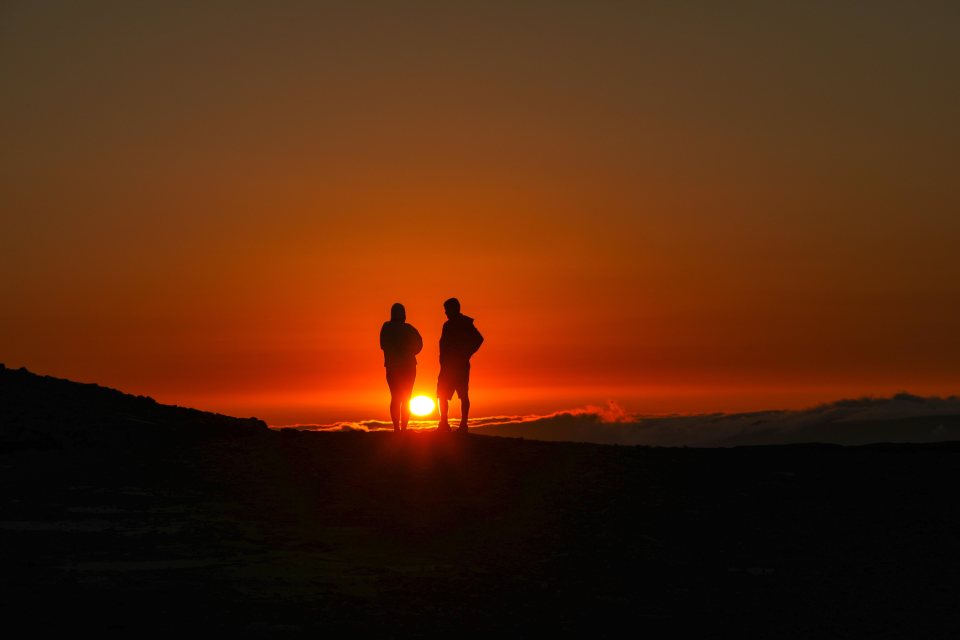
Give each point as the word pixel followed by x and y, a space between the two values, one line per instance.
pixel 421 406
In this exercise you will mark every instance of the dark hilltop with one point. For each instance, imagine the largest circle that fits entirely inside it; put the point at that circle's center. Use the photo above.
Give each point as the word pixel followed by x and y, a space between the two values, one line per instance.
pixel 121 515
pixel 44 412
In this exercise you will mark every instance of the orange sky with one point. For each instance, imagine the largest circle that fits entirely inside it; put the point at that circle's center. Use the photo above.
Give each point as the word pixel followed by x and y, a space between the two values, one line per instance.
pixel 677 206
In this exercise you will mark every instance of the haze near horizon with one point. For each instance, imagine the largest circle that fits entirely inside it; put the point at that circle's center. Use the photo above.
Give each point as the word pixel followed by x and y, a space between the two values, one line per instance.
pixel 677 206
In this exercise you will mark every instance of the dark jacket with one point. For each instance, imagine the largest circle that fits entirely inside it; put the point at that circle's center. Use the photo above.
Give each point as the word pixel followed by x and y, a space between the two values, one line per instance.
pixel 400 342
pixel 459 340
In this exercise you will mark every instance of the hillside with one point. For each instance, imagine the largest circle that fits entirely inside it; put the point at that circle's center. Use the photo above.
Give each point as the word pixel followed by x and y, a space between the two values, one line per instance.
pixel 285 533
pixel 45 411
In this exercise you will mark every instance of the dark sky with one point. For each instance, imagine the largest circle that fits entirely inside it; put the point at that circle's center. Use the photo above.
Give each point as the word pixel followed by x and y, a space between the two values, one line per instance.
pixel 675 205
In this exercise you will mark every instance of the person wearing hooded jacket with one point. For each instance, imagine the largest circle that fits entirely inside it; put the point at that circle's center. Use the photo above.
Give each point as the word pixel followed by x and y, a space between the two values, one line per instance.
pixel 401 342
pixel 459 340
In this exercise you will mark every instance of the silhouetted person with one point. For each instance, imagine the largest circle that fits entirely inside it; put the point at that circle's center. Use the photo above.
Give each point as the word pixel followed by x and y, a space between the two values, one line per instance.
pixel 401 343
pixel 458 341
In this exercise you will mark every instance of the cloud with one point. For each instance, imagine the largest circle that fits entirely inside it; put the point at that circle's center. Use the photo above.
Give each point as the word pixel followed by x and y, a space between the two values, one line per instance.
pixel 902 418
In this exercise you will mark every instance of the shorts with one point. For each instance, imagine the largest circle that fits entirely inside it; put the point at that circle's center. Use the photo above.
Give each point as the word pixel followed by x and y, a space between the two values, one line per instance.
pixel 401 379
pixel 453 378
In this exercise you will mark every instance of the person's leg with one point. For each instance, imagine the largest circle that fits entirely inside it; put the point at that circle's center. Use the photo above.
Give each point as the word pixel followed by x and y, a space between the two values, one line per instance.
pixel 463 391
pixel 443 398
pixel 405 399
pixel 464 410
pixel 395 405
pixel 394 399
pixel 444 405
pixel 404 413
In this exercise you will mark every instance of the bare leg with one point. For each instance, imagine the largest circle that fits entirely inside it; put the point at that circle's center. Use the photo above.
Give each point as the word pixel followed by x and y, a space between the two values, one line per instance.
pixel 464 411
pixel 444 410
pixel 404 413
pixel 395 410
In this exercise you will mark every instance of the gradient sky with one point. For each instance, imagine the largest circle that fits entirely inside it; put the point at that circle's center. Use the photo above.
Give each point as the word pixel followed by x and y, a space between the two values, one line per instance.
pixel 680 206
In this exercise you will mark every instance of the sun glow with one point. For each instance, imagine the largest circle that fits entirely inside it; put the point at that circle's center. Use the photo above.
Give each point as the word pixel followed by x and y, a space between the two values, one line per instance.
pixel 421 406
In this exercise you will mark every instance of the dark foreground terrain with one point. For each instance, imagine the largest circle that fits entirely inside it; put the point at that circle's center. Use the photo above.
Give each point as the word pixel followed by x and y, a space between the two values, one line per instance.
pixel 248 531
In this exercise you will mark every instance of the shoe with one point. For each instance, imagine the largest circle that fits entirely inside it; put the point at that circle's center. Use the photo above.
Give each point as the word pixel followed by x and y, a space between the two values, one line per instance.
pixel 444 427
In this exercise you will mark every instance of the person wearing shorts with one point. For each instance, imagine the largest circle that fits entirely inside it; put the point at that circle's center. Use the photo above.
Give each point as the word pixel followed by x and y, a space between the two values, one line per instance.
pixel 459 340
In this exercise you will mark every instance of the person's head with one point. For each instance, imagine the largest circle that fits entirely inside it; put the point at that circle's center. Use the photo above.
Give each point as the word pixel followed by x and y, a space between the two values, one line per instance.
pixel 398 313
pixel 452 307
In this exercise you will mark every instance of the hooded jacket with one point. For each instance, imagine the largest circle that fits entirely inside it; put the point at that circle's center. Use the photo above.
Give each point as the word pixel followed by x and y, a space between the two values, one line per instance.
pixel 401 343
pixel 459 340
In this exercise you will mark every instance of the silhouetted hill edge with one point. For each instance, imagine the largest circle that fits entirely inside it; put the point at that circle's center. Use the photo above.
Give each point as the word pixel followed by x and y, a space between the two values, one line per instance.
pixel 44 411
pixel 900 419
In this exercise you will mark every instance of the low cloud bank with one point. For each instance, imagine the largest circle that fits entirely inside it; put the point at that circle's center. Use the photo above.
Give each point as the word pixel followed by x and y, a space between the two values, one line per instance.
pixel 902 418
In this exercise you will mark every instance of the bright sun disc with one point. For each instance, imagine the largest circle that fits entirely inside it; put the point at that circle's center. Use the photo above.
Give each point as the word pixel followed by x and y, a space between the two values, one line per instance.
pixel 421 406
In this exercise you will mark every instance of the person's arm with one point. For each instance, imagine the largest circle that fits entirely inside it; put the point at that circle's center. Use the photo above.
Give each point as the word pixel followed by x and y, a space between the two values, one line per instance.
pixel 387 337
pixel 417 341
pixel 477 340
pixel 444 339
